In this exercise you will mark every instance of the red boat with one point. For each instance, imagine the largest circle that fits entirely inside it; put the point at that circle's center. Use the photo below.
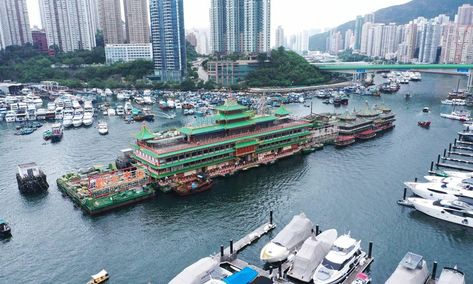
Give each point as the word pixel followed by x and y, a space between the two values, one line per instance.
pixel 194 187
pixel 365 135
pixel 344 140
pixel 424 124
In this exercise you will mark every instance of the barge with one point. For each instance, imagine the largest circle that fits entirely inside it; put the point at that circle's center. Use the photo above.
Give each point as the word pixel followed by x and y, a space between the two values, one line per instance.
pixel 102 189
pixel 239 139
pixel 31 179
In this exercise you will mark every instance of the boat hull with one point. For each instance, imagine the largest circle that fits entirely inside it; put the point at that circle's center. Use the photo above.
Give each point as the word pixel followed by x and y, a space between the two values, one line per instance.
pixel 427 207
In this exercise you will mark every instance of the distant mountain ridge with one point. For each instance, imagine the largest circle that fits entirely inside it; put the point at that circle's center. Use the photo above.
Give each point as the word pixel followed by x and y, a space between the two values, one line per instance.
pixel 399 14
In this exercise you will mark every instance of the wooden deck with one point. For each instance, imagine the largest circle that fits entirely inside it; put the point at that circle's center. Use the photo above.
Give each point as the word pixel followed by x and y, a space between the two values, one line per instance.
pixel 455 167
pixel 249 239
pixel 359 269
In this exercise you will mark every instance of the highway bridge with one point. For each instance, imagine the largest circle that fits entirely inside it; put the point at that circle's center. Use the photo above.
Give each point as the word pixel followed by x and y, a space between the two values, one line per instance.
pixel 362 68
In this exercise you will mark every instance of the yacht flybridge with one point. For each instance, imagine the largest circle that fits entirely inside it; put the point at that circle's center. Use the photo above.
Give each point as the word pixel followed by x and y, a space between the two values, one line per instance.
pixel 345 255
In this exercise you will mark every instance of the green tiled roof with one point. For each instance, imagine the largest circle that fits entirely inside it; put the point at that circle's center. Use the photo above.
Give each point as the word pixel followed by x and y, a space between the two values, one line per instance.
pixel 230 105
pixel 267 118
pixel 240 115
pixel 201 130
pixel 282 111
pixel 144 134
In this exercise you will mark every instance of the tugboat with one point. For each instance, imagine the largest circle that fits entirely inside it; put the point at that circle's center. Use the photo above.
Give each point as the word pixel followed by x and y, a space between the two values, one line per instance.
pixel 424 124
pixel 31 179
pixel 197 186
pixel 5 230
pixel 100 277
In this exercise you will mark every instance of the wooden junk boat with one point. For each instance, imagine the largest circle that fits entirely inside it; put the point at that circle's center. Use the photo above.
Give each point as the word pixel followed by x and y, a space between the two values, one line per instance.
pixel 31 179
pixel 201 184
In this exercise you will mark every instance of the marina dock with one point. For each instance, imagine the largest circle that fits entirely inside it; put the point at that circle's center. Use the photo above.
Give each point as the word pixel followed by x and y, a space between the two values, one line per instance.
pixel 229 257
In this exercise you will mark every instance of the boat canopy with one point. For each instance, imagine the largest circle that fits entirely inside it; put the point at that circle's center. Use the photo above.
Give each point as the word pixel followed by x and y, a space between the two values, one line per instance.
pixel 101 274
pixel 2 221
pixel 197 272
pixel 300 228
pixel 451 276
pixel 245 276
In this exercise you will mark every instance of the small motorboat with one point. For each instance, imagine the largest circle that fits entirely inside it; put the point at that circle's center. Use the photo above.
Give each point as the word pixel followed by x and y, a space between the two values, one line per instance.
pixel 47 134
pixel 407 96
pixel 103 128
pixel 361 278
pixel 426 110
pixel 411 270
pixel 451 276
pixel 5 230
pixel 288 239
pixel 100 277
pixel 56 132
pixel 424 124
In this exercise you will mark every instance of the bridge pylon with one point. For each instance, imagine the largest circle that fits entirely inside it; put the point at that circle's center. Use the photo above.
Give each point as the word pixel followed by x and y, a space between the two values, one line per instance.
pixel 469 86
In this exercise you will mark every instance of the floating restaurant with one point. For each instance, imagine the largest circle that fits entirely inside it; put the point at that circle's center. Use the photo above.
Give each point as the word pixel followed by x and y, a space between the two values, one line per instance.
pixel 238 140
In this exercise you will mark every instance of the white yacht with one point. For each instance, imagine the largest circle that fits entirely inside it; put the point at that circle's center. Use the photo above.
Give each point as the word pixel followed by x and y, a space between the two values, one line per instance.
pixel 88 119
pixel 171 104
pixel 31 112
pixel 78 117
pixel 457 115
pixel 459 174
pixel 128 107
pixel 68 116
pixel 51 106
pixel 147 100
pixel 76 104
pixel 455 102
pixel 436 190
pixel 178 105
pixel 411 270
pixel 10 116
pixel 121 96
pixel 111 112
pixel 451 276
pixel 59 113
pixel 288 239
pixel 310 255
pixel 345 255
pixel 456 211
pixel 120 110
pixel 34 99
pixel 103 128
pixel 21 112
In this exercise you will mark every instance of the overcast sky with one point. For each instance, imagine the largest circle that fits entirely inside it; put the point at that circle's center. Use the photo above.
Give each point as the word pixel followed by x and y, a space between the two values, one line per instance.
pixel 292 15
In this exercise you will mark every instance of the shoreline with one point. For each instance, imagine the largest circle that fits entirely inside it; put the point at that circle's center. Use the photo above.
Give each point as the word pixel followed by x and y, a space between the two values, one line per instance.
pixel 298 89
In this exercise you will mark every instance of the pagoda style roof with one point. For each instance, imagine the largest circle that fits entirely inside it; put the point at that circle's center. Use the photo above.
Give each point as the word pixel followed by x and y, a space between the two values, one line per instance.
pixel 282 111
pixel 234 116
pixel 230 105
pixel 145 134
pixel 368 112
pixel 347 116
pixel 226 126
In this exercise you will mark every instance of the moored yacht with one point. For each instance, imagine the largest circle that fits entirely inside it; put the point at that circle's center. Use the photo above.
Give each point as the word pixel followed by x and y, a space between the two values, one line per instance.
pixel 78 117
pixel 457 115
pixel 68 117
pixel 343 258
pixel 456 211
pixel 120 110
pixel 411 270
pixel 442 190
pixel 309 256
pixel 103 128
pixel 128 107
pixel 10 116
pixel 31 112
pixel 451 276
pixel 59 113
pixel 288 239
pixel 201 272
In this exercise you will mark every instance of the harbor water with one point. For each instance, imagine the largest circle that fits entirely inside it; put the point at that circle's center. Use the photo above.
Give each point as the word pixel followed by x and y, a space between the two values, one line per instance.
pixel 353 190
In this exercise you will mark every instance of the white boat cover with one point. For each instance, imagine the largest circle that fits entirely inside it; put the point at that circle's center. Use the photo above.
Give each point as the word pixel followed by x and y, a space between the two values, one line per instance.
pixel 311 254
pixel 198 273
pixel 411 270
pixel 101 274
pixel 451 276
pixel 299 229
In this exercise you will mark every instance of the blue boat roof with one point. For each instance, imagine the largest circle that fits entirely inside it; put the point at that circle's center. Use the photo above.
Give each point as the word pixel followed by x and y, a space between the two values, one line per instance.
pixel 244 276
pixel 2 221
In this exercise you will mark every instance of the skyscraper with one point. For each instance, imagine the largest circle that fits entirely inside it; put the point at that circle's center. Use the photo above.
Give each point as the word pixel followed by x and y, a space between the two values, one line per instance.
pixel 280 41
pixel 109 12
pixel 168 39
pixel 465 15
pixel 136 18
pixel 358 30
pixel 240 26
pixel 14 23
pixel 69 24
